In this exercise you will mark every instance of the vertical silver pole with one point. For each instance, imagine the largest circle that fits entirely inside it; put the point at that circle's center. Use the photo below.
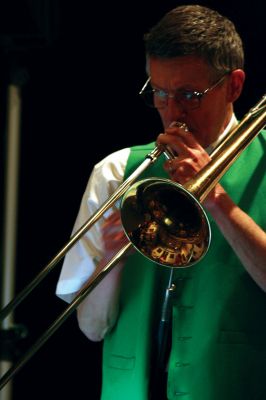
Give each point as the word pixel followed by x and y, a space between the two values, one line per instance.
pixel 10 215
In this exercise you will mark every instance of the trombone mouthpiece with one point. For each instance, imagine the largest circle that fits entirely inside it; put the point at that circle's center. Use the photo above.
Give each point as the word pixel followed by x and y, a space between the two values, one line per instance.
pixel 179 124
pixel 168 152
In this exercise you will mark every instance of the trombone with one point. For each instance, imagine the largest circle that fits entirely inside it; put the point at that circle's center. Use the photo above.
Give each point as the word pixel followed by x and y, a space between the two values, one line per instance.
pixel 163 220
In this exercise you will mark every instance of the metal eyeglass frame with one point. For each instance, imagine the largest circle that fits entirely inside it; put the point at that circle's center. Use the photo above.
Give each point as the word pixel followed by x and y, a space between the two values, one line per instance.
pixel 197 95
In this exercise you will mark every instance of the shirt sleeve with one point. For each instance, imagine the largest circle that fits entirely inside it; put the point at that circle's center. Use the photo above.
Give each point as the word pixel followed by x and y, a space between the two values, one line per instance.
pixel 79 263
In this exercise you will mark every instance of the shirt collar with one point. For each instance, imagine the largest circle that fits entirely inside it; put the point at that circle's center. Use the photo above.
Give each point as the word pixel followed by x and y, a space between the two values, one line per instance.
pixel 232 123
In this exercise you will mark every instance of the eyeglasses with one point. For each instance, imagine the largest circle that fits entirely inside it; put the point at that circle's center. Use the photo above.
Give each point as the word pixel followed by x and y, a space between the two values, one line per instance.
pixel 188 99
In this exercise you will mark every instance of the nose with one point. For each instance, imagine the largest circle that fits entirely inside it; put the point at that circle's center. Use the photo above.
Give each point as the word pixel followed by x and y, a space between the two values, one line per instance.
pixel 174 111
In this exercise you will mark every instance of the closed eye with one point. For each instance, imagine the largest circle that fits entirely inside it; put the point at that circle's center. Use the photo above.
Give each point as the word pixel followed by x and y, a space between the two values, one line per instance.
pixel 189 95
pixel 160 93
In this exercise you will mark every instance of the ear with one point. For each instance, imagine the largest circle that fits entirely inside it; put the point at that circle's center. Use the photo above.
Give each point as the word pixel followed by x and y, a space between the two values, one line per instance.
pixel 235 84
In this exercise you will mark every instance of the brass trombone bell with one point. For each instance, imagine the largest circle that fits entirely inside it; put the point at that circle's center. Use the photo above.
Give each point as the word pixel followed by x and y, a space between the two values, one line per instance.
pixel 165 223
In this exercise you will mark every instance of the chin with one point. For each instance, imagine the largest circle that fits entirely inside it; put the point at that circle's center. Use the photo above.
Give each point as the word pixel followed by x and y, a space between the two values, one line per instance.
pixel 199 139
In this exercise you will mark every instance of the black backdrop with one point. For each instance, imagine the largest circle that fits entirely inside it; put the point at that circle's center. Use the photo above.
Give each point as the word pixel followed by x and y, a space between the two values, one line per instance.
pixel 84 66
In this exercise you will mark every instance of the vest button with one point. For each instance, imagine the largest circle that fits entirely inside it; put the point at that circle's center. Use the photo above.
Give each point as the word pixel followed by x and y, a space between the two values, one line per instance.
pixel 181 364
pixel 184 338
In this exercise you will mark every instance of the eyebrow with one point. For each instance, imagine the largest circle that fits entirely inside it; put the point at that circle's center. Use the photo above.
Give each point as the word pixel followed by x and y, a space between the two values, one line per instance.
pixel 187 87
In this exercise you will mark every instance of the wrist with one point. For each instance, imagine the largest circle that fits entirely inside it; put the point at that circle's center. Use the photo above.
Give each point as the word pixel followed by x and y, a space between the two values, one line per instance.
pixel 217 200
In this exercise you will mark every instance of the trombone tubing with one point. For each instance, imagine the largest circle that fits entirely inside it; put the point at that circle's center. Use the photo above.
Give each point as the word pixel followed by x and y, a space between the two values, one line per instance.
pixel 150 158
pixel 230 149
pixel 95 279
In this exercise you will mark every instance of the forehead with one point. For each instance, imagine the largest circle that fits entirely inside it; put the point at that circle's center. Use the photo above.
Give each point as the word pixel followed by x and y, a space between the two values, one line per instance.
pixel 179 71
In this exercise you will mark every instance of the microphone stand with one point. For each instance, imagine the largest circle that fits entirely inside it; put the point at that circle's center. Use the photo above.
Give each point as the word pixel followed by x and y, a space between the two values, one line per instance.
pixel 163 337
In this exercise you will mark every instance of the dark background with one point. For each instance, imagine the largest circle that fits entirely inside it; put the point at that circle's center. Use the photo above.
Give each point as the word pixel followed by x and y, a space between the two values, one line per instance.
pixel 81 67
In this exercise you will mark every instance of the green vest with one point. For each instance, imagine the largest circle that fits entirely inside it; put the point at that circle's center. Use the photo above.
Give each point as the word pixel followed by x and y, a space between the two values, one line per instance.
pixel 219 313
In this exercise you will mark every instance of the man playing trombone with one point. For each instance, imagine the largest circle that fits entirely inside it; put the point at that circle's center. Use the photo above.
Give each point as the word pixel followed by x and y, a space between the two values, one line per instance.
pixel 216 349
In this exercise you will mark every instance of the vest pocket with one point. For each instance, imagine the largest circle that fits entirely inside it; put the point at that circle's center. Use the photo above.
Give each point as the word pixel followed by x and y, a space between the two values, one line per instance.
pixel 121 362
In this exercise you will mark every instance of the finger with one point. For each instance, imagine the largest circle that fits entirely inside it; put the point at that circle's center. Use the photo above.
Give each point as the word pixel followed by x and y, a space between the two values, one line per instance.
pixel 184 167
pixel 174 142
pixel 187 137
pixel 112 219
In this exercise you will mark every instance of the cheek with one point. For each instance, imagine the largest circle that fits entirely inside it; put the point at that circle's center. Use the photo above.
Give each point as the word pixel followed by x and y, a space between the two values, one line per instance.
pixel 164 118
pixel 209 121
pixel 204 128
